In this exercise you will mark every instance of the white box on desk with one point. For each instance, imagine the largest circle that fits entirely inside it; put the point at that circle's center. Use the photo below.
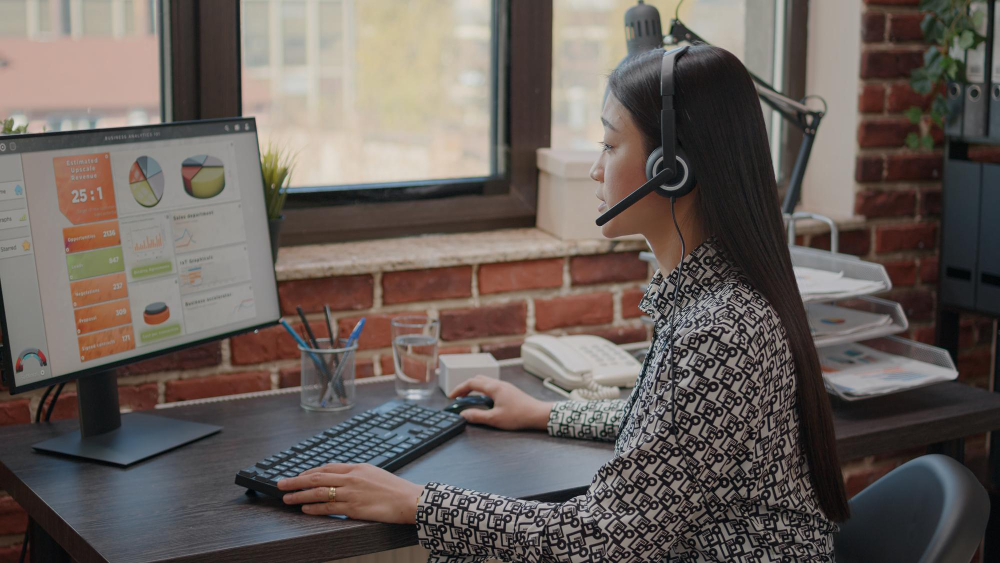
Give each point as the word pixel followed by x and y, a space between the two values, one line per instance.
pixel 567 206
pixel 456 369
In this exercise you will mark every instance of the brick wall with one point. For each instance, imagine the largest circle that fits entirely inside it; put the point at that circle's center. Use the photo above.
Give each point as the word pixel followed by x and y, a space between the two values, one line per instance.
pixel 487 307
pixel 898 192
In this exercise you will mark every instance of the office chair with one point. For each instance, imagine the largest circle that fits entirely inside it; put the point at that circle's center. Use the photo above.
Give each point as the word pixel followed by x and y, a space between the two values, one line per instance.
pixel 928 510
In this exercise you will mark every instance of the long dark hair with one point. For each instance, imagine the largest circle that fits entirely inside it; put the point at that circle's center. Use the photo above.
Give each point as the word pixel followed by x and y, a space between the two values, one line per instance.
pixel 721 127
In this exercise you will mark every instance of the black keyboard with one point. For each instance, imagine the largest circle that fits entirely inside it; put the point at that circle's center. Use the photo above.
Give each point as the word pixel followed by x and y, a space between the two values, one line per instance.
pixel 388 436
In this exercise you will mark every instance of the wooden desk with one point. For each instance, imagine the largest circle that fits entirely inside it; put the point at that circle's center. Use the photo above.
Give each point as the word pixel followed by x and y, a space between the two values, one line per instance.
pixel 183 505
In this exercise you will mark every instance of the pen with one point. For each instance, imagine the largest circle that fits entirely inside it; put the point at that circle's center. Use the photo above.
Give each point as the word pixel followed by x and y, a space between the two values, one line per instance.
pixel 316 361
pixel 336 381
pixel 329 325
pixel 305 323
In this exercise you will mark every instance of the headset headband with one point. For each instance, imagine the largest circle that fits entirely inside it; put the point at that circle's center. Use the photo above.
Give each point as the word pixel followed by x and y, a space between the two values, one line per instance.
pixel 668 119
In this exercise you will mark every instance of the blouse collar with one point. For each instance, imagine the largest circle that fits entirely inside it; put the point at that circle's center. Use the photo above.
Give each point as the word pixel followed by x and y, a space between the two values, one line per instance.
pixel 703 267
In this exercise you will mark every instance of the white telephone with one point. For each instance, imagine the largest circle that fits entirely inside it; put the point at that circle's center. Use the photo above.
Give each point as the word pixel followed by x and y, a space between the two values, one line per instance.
pixel 592 366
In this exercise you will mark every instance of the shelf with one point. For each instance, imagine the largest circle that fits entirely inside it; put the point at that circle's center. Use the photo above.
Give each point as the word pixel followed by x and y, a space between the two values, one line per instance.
pixel 870 305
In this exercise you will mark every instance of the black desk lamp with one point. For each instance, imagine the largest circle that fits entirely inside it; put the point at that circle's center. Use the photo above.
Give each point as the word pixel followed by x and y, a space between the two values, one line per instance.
pixel 643 33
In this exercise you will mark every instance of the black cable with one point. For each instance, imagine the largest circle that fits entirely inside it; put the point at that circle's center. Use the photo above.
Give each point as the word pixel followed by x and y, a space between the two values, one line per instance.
pixel 41 404
pixel 52 405
pixel 670 367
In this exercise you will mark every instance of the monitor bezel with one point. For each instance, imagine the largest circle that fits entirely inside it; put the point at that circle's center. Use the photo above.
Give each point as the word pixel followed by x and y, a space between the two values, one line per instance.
pixel 7 357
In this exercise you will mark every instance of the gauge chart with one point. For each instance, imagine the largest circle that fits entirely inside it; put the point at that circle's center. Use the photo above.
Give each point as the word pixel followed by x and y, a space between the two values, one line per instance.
pixel 204 176
pixel 146 181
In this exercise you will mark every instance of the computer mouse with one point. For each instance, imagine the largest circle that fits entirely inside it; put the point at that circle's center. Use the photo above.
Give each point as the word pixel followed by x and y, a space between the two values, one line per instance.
pixel 469 402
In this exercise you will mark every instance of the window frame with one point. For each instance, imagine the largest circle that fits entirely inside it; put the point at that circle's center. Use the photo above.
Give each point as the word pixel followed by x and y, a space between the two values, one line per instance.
pixel 202 80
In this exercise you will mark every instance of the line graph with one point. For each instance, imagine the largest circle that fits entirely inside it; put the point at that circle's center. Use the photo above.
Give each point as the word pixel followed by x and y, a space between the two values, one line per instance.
pixel 186 239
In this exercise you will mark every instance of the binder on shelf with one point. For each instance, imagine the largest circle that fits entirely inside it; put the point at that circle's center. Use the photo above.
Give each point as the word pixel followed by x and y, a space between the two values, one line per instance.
pixel 955 97
pixel 960 232
pixel 976 108
pixel 994 128
pixel 988 270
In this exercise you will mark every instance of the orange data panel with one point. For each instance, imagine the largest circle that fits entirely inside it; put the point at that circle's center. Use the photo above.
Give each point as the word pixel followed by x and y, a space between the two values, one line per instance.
pixel 100 317
pixel 99 344
pixel 91 237
pixel 85 188
pixel 98 290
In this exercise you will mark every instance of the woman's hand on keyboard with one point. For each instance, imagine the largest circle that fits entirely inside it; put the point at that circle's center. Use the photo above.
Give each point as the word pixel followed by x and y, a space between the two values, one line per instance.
pixel 364 492
pixel 513 409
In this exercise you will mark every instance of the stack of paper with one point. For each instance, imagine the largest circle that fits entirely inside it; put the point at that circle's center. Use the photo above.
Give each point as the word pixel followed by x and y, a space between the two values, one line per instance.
pixel 821 285
pixel 854 371
pixel 830 320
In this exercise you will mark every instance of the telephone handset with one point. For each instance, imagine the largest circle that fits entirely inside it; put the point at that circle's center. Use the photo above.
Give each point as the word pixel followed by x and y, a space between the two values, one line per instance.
pixel 594 366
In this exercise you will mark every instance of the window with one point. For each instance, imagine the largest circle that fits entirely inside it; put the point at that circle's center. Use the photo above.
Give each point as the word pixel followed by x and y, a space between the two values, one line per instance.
pixel 83 75
pixel 407 116
pixel 13 18
pixel 589 39
pixel 372 93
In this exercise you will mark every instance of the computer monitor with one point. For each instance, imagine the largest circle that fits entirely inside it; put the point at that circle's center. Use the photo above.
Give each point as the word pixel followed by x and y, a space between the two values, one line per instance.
pixel 117 245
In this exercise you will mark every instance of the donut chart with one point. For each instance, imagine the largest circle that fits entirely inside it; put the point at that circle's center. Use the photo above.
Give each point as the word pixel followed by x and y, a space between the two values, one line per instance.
pixel 204 176
pixel 29 353
pixel 146 181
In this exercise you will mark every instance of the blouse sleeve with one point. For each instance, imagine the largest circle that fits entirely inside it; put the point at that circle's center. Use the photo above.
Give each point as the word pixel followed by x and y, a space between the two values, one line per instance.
pixel 661 488
pixel 586 420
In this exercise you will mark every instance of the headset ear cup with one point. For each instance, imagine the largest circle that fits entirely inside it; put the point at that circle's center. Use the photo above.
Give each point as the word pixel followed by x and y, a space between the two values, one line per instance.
pixel 684 181
pixel 681 184
pixel 654 163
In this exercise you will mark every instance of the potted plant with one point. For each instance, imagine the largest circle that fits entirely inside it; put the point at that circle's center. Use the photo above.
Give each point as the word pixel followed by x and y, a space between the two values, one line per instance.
pixel 947 25
pixel 7 127
pixel 276 165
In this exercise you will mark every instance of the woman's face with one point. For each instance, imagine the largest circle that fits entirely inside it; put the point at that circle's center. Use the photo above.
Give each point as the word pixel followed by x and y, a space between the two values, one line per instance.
pixel 621 169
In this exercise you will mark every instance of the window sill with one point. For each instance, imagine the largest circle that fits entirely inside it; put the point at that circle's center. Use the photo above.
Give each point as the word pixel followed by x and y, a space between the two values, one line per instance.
pixel 435 251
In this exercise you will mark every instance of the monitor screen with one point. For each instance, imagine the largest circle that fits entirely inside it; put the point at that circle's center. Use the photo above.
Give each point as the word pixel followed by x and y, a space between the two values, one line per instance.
pixel 119 244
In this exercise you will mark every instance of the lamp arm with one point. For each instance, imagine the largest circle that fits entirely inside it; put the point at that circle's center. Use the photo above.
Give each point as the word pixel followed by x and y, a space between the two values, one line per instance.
pixel 794 111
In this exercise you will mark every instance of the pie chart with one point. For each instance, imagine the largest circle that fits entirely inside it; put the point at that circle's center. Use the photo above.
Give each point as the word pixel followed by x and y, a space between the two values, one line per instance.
pixel 146 180
pixel 204 176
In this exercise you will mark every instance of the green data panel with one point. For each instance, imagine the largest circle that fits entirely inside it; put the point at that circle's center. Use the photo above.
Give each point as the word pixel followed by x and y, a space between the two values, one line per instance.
pixel 95 263
pixel 158 333
pixel 152 269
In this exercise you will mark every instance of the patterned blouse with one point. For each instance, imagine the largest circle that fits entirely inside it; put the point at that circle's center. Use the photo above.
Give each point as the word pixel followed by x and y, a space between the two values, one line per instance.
pixel 730 483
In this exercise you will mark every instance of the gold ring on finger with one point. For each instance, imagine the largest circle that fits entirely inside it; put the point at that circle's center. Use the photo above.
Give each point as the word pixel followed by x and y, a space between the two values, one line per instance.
pixel 331 494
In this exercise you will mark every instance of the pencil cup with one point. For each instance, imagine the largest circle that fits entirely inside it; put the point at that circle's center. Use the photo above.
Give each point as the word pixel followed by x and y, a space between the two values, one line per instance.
pixel 328 376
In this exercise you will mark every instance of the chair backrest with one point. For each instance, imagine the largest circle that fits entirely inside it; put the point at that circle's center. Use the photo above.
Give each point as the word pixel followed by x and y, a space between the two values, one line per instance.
pixel 928 510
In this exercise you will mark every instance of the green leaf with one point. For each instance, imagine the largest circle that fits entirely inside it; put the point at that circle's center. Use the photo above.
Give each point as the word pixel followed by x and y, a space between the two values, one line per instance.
pixel 966 39
pixel 978 19
pixel 955 70
pixel 936 6
pixel 912 140
pixel 927 142
pixel 932 28
pixel 931 54
pixel 921 84
pixel 939 105
pixel 914 114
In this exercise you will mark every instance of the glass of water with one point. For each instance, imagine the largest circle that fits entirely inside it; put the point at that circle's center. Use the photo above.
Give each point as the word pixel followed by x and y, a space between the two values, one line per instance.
pixel 414 354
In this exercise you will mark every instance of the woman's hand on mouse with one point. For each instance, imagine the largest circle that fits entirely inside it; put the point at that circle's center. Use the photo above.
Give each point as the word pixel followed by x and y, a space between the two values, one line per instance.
pixel 513 409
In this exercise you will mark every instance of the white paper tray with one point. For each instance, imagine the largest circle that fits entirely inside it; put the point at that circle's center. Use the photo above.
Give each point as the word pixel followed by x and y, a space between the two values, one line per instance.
pixel 907 348
pixel 851 266
pixel 871 305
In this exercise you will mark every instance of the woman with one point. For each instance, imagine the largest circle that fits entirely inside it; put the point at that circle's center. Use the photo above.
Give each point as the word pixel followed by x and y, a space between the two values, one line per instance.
pixel 724 451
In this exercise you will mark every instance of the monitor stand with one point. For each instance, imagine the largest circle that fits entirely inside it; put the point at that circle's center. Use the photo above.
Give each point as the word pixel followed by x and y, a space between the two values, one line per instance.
pixel 108 437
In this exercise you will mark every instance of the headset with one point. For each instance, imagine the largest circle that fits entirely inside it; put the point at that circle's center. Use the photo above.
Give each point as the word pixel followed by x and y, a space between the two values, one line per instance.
pixel 668 169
